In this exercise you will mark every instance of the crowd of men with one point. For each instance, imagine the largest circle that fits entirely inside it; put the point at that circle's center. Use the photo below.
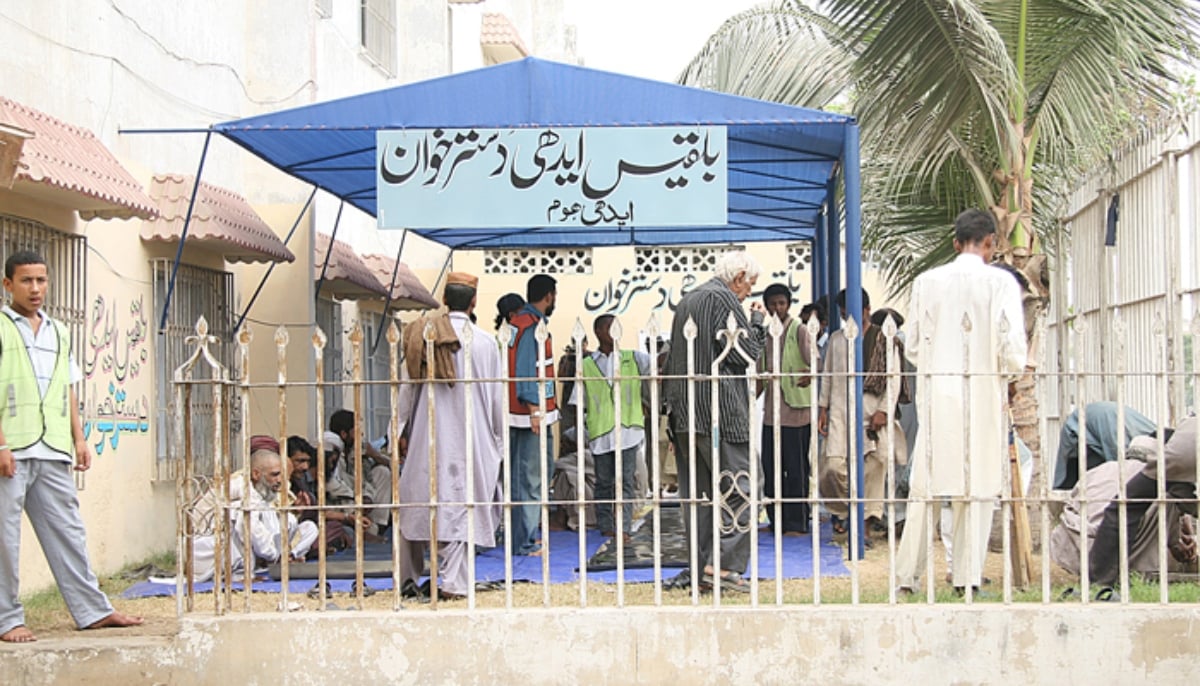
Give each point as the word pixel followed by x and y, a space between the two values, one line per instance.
pixel 801 373
pixel 469 436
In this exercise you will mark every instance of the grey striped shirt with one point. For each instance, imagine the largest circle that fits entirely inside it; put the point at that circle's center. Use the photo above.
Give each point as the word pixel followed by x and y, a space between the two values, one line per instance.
pixel 709 305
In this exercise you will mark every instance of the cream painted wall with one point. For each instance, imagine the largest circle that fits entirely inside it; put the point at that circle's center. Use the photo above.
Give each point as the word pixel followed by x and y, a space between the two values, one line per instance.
pixel 134 64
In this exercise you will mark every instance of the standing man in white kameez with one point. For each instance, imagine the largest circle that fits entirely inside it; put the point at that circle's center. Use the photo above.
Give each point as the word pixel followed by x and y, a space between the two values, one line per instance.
pixel 970 290
pixel 41 437
pixel 449 435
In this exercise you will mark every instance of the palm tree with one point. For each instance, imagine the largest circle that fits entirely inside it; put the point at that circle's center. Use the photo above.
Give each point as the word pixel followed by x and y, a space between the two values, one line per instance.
pixel 962 103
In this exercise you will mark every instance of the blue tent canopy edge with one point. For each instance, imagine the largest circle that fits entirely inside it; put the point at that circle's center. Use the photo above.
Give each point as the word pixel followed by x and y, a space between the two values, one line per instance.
pixel 780 158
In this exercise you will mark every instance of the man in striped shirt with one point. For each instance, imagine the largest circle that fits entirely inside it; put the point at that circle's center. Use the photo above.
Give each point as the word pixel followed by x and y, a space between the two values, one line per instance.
pixel 710 307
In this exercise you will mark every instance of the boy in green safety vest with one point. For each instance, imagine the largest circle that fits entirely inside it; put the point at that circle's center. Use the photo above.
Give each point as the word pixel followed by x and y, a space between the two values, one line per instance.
pixel 41 443
pixel 603 381
pixel 790 458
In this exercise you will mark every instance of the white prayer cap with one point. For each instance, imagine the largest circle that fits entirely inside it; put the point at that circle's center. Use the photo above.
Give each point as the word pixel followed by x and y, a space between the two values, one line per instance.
pixel 333 442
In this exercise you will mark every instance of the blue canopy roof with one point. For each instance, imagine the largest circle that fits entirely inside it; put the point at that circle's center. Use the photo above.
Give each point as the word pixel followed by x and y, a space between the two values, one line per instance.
pixel 781 159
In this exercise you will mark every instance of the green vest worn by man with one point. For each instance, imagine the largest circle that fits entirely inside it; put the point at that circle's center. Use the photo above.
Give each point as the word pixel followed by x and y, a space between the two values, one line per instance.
pixel 25 414
pixel 598 396
pixel 792 361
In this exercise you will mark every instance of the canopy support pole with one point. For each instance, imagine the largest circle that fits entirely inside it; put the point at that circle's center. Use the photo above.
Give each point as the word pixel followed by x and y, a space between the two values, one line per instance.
pixel 441 274
pixel 187 222
pixel 819 257
pixel 833 252
pixel 852 187
pixel 263 281
pixel 329 250
pixel 387 305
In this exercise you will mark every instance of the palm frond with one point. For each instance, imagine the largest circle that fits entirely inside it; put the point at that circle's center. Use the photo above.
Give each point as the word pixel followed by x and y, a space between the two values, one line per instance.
pixel 923 68
pixel 781 52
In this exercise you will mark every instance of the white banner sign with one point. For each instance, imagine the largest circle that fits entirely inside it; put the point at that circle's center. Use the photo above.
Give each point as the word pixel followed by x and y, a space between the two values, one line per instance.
pixel 517 178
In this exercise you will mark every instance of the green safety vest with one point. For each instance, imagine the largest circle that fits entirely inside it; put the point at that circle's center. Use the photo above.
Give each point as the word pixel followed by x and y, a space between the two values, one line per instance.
pixel 598 396
pixel 792 361
pixel 25 414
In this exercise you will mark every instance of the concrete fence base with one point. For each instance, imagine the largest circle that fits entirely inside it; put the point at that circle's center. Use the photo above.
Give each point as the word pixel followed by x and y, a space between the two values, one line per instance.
pixel 828 645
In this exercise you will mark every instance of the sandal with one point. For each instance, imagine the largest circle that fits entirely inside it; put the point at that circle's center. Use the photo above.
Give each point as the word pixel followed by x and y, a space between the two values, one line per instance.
pixel 367 591
pixel 836 524
pixel 729 580
pixel 315 591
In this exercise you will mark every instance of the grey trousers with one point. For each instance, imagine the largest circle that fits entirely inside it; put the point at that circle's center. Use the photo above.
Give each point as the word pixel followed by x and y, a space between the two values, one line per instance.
pixel 45 490
pixel 452 563
pixel 733 498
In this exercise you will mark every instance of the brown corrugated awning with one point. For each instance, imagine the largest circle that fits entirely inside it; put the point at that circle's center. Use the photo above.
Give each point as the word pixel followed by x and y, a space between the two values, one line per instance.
pixel 67 165
pixel 347 276
pixel 222 221
pixel 500 40
pixel 408 293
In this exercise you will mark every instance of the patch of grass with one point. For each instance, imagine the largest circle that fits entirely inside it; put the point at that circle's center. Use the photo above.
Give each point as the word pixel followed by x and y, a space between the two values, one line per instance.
pixel 46 608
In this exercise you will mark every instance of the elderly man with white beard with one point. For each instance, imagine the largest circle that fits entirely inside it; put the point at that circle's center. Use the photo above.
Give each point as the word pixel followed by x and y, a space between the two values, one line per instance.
pixel 266 478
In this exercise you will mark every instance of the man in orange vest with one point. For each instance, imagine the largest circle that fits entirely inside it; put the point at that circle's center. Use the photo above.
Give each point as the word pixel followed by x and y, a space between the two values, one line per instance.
pixel 533 409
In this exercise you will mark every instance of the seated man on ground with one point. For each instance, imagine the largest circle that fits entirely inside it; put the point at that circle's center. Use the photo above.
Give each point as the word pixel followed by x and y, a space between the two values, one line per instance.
pixel 1103 484
pixel 376 471
pixel 302 457
pixel 260 502
pixel 1179 464
pixel 1101 436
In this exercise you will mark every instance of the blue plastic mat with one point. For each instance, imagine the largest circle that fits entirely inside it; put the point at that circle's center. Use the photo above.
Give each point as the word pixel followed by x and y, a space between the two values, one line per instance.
pixel 563 567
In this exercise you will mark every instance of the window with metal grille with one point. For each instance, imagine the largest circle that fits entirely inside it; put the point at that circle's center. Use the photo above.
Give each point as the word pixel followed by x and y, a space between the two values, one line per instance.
pixel 576 261
pixel 198 292
pixel 377 398
pixel 329 318
pixel 378 33
pixel 687 259
pixel 799 257
pixel 66 262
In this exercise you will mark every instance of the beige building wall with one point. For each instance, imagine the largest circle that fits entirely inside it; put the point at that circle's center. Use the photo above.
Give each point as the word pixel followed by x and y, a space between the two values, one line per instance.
pixel 617 286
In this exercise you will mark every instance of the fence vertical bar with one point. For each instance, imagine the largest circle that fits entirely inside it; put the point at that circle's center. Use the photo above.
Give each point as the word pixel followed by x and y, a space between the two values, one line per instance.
pixel 318 343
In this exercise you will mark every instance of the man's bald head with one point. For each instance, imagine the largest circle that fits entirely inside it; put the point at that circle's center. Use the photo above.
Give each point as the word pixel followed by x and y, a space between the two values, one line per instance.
pixel 266 472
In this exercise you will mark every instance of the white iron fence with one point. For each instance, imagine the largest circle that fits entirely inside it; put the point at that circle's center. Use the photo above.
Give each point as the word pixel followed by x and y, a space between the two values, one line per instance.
pixel 739 502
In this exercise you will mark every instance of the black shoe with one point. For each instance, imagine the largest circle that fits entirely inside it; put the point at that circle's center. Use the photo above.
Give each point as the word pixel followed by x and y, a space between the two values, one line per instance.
pixel 410 589
pixel 682 580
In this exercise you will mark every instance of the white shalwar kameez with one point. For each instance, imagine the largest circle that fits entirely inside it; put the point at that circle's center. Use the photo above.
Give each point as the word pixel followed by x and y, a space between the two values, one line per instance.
pixel 449 434
pixel 265 540
pixel 960 433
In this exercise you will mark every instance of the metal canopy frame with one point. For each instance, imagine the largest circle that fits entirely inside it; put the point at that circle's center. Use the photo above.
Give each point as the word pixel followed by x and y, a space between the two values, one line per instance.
pixel 786 165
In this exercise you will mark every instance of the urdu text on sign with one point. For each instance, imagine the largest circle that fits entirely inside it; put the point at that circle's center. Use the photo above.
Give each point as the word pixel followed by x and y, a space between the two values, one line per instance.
pixel 576 177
